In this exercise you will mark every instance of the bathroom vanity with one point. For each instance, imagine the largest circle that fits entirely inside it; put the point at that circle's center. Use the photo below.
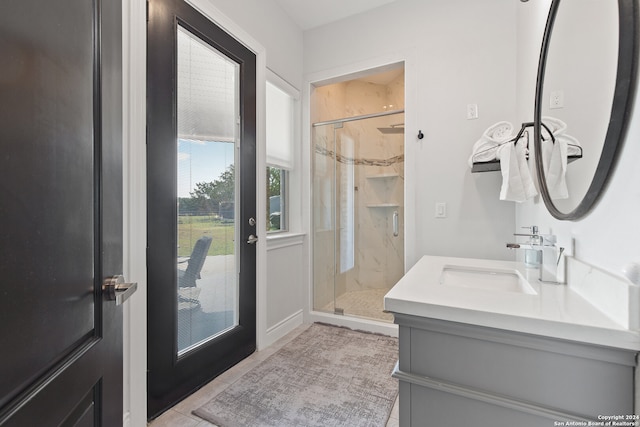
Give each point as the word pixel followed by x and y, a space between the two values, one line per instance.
pixel 482 342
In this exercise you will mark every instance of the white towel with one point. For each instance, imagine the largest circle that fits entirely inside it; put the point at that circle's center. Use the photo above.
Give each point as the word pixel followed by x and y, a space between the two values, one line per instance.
pixel 525 173
pixel 554 156
pixel 573 146
pixel 497 143
pixel 486 148
pixel 554 160
pixel 517 185
pixel 556 126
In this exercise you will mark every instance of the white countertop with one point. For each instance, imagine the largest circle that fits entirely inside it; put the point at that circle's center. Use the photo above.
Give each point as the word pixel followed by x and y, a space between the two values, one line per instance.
pixel 554 311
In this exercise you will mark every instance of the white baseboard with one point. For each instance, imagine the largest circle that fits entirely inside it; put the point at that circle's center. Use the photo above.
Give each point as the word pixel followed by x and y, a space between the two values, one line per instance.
pixel 282 328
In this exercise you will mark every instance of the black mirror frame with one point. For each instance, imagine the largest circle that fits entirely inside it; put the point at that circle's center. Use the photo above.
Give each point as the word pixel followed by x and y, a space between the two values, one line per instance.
pixel 620 111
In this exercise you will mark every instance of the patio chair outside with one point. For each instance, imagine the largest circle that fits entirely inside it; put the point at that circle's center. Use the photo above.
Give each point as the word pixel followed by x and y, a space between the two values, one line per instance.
pixel 187 277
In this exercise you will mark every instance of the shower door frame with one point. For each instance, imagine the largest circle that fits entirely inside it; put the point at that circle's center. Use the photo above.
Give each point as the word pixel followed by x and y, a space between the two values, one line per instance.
pixel 336 317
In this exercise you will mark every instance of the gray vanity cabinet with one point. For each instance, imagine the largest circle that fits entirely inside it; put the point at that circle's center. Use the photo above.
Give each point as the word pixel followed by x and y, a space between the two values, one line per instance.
pixel 454 374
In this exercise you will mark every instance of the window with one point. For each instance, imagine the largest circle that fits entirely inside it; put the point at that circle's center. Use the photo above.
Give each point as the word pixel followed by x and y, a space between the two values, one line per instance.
pixel 277 199
pixel 280 130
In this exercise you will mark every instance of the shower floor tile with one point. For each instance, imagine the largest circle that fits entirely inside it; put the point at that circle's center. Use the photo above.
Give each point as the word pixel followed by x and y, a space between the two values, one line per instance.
pixel 368 303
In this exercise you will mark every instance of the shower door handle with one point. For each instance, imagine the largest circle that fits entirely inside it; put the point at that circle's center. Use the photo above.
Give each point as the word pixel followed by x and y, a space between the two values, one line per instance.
pixel 395 224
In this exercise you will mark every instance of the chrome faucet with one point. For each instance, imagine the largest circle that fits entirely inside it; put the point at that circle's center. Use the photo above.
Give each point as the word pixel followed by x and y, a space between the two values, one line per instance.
pixel 534 236
pixel 551 254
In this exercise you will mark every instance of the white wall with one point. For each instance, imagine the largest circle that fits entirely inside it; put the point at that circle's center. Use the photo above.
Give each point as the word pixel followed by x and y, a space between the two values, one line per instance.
pixel 608 237
pixel 286 272
pixel 531 18
pixel 456 52
pixel 269 24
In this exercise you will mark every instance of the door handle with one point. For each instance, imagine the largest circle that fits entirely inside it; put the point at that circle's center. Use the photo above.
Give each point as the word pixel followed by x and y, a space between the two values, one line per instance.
pixel 115 289
pixel 252 239
pixel 395 224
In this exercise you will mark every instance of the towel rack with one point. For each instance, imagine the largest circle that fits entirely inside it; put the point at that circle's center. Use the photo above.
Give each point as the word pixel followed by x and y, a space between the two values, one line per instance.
pixel 494 165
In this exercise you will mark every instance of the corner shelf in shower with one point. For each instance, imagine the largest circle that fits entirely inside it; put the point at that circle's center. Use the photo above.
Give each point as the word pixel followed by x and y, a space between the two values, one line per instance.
pixel 383 205
pixel 383 176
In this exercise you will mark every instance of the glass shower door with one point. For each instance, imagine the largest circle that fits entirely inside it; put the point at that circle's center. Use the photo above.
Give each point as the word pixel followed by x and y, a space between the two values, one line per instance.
pixel 358 214
pixel 324 241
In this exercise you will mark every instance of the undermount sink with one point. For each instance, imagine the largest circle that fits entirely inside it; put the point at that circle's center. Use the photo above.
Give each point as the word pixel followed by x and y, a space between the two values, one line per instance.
pixel 485 279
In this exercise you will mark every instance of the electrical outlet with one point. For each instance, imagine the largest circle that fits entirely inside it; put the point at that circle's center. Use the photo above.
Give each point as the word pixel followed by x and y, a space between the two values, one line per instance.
pixel 441 210
pixel 556 99
pixel 472 111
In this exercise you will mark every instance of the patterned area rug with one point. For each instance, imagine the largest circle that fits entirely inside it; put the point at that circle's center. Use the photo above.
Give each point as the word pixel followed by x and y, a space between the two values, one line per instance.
pixel 327 376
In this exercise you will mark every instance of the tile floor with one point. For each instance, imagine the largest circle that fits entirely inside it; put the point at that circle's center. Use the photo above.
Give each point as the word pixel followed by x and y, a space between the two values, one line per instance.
pixel 367 303
pixel 181 416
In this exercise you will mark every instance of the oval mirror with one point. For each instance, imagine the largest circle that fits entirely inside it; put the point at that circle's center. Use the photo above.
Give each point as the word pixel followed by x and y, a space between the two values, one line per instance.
pixel 586 76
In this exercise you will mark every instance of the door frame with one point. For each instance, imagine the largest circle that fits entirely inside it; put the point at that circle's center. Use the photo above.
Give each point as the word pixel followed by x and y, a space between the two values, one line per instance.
pixel 135 193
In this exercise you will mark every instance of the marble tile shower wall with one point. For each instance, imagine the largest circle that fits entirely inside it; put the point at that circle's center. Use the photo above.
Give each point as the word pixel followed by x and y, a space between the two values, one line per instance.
pixel 377 193
pixel 370 188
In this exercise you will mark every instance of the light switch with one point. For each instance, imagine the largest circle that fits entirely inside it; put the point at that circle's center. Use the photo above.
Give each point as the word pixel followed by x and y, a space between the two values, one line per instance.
pixel 441 210
pixel 472 111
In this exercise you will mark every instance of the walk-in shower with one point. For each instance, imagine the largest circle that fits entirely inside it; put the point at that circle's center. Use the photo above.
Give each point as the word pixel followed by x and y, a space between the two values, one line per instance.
pixel 358 194
pixel 357 151
pixel 358 212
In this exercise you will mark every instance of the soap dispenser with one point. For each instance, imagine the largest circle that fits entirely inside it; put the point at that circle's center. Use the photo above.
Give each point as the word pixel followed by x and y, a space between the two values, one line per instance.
pixel 533 257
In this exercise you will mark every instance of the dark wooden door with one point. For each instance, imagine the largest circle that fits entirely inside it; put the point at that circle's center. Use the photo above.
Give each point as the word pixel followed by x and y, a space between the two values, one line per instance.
pixel 60 212
pixel 201 186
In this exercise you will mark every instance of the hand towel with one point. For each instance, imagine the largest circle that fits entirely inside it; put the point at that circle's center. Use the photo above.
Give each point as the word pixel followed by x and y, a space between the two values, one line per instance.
pixel 511 183
pixel 554 156
pixel 525 173
pixel 517 185
pixel 554 160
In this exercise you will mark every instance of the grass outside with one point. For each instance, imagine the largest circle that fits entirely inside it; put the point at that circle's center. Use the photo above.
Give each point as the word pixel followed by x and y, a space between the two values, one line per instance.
pixel 191 228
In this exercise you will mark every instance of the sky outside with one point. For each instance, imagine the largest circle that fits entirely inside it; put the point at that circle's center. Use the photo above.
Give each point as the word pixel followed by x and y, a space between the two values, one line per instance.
pixel 201 161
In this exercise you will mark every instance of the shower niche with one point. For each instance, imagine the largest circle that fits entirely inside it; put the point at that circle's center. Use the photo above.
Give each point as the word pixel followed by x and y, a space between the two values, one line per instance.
pixel 358 192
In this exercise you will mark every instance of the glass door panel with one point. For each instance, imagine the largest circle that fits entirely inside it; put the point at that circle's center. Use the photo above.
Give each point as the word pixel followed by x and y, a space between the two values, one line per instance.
pixel 358 212
pixel 370 206
pixel 324 239
pixel 208 107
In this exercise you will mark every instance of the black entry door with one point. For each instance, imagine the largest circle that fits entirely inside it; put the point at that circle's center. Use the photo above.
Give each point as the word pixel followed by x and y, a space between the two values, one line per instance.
pixel 60 212
pixel 201 202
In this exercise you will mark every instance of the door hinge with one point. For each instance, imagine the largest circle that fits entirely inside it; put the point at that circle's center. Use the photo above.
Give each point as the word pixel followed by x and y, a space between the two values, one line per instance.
pixel 147 10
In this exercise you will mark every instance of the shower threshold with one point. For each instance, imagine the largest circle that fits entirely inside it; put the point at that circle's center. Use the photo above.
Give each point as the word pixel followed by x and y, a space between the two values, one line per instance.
pixel 367 304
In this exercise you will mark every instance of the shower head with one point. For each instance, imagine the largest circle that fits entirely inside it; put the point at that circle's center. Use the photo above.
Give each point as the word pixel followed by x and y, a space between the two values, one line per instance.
pixel 393 129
